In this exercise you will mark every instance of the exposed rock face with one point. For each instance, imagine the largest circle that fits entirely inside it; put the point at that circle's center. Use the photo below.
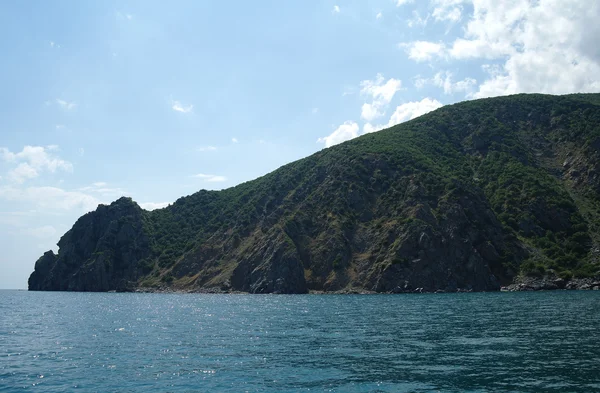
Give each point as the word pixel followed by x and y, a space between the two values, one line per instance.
pixel 100 252
pixel 550 283
pixel 273 267
pixel 460 250
pixel 465 198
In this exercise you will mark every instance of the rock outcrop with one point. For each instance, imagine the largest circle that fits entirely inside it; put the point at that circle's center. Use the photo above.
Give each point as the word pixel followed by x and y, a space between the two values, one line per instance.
pixel 100 253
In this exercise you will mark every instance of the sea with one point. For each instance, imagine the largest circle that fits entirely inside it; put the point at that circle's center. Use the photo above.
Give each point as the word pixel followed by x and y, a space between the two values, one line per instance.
pixel 460 342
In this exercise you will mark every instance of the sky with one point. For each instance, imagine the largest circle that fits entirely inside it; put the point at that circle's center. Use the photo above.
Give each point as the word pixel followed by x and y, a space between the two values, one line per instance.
pixel 156 100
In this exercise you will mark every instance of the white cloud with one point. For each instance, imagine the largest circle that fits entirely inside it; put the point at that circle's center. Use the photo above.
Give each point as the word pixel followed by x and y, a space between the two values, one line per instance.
pixel 336 9
pixel 417 20
pixel 444 80
pixel 315 111
pixel 66 105
pixel 22 172
pixel 210 178
pixel 405 112
pixel 60 126
pixel 402 2
pixel 423 50
pixel 178 107
pixel 545 46
pixel 420 82
pixel 154 205
pixel 234 140
pixel 33 160
pixel 50 198
pixel 206 148
pixel 551 46
pixel 379 15
pixel 411 110
pixel 368 128
pixel 447 10
pixel 345 132
pixel 380 93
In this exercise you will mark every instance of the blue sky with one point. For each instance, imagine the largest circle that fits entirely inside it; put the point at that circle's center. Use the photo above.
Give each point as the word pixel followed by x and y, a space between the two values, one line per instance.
pixel 156 100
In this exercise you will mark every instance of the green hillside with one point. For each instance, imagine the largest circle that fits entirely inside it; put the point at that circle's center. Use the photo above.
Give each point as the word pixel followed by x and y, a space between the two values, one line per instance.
pixel 469 197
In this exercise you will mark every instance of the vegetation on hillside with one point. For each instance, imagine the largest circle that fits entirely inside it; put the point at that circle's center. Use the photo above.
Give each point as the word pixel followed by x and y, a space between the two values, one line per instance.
pixel 510 147
pixel 359 211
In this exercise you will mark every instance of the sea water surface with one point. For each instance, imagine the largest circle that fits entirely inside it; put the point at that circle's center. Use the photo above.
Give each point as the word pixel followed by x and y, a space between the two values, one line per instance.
pixel 464 342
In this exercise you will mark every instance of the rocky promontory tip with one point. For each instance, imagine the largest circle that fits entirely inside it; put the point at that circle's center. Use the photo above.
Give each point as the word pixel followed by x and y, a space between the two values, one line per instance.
pixel 477 196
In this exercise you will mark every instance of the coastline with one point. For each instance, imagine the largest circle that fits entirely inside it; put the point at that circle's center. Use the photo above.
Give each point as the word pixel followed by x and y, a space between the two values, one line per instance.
pixel 524 284
pixel 552 284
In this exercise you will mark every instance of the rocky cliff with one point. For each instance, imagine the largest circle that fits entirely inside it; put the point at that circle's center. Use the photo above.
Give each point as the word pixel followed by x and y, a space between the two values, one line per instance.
pixel 100 252
pixel 472 196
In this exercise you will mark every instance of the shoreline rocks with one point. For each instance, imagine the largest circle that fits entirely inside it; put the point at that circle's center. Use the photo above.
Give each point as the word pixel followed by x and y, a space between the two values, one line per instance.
pixel 552 283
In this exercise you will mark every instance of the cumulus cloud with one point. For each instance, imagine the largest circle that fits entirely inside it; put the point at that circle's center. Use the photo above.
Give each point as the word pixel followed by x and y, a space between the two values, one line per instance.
pixel 405 112
pixel 380 95
pixel 344 132
pixel 551 46
pixel 414 109
pixel 234 140
pixel 402 2
pixel 32 161
pixel 154 205
pixel 447 10
pixel 420 51
pixel 445 81
pixel 336 9
pixel 546 46
pixel 210 178
pixel 22 172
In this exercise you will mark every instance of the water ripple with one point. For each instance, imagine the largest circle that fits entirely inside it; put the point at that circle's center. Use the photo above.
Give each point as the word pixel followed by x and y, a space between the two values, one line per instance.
pixel 478 342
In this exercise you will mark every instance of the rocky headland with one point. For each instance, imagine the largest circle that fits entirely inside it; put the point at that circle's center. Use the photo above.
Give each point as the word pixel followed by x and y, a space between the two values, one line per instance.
pixel 477 196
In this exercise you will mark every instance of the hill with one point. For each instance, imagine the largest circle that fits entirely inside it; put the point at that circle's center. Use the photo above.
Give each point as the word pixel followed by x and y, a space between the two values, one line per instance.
pixel 471 196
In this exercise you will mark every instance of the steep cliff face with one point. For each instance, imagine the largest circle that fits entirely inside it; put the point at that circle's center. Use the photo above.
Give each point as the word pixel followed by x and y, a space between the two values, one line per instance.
pixel 468 197
pixel 99 253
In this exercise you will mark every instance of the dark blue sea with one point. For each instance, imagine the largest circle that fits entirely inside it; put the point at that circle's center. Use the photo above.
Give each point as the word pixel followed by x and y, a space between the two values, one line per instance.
pixel 464 342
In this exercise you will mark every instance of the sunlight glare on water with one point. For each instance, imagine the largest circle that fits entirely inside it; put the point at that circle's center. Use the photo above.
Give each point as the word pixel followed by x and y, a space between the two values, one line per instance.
pixel 465 342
